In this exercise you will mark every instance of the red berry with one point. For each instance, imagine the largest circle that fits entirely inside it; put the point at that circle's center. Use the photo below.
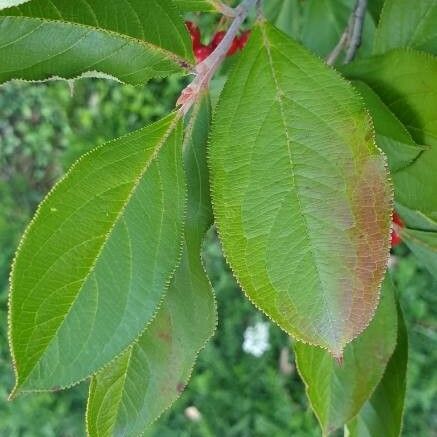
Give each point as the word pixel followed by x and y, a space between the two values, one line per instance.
pixel 237 44
pixel 398 224
pixel 395 239
pixel 217 39
pixel 202 52
pixel 194 33
pixel 396 219
pixel 234 47
pixel 242 40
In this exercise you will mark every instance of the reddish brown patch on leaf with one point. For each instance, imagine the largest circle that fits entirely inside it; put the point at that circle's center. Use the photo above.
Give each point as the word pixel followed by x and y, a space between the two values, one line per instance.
pixel 339 360
pixel 164 336
pixel 372 205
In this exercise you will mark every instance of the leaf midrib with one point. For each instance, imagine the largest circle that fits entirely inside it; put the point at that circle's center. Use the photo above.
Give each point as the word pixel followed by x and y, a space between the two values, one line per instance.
pixel 280 97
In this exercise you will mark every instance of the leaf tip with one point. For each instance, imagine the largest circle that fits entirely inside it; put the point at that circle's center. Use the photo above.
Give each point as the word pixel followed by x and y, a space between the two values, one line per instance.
pixel 339 359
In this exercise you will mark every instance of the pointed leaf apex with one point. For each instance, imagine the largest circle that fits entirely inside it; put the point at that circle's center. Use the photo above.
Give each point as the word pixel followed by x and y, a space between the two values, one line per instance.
pixel 339 358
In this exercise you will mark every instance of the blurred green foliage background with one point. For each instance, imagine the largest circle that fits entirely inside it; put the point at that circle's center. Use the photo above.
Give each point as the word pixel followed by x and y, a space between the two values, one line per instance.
pixel 43 129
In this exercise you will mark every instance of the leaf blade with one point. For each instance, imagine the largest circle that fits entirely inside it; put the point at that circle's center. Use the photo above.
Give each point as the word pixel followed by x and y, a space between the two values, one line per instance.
pixel 152 21
pixel 263 228
pixel 338 391
pixel 382 413
pixel 155 370
pixel 391 135
pixel 286 15
pixel 131 41
pixel 403 26
pixel 80 291
pixel 405 81
pixel 424 246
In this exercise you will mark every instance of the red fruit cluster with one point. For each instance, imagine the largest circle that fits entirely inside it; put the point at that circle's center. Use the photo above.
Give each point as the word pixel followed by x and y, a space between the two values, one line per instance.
pixel 398 224
pixel 201 51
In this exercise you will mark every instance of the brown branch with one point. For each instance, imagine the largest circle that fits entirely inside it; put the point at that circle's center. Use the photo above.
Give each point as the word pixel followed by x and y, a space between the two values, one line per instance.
pixel 332 57
pixel 357 30
pixel 206 69
pixel 351 37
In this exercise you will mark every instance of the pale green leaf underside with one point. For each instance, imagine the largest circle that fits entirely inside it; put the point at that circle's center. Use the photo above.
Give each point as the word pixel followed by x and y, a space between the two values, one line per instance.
pixel 195 5
pixel 129 40
pixel 96 259
pixel 407 24
pixel 134 390
pixel 337 392
pixel 391 135
pixel 382 414
pixel 285 15
pixel 9 3
pixel 424 246
pixel 300 192
pixel 406 81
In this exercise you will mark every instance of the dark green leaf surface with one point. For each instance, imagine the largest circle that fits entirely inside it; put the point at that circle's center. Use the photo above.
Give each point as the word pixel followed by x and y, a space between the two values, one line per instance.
pixel 130 40
pixel 406 81
pixel 391 135
pixel 155 21
pixel 338 391
pixel 407 24
pixel 133 391
pixel 424 245
pixel 416 219
pixel 382 413
pixel 375 9
pixel 94 263
pixel 300 191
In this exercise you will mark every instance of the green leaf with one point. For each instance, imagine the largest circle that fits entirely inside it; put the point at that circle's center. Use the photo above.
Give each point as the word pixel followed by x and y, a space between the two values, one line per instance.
pixel 403 24
pixel 154 21
pixel 131 41
pixel 424 246
pixel 391 134
pixel 375 9
pixel 338 391
pixel 94 263
pixel 285 15
pixel 132 392
pixel 416 219
pixel 406 82
pixel 301 196
pixel 195 5
pixel 382 413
